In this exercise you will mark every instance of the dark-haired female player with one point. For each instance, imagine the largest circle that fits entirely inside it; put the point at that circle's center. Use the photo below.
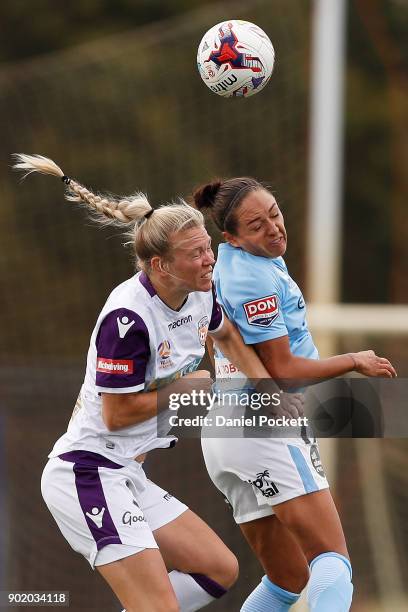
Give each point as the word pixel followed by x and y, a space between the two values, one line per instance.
pixel 280 500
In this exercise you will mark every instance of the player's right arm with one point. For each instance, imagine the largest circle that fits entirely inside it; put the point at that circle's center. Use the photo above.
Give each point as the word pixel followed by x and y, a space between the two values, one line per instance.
pixel 283 365
pixel 123 352
pixel 127 409
pixel 268 333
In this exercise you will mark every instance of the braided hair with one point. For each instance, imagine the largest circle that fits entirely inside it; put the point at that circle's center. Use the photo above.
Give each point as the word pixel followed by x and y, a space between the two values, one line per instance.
pixel 150 233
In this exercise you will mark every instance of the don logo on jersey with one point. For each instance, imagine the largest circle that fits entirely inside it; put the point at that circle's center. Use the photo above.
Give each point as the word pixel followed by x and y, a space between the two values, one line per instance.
pixel 262 312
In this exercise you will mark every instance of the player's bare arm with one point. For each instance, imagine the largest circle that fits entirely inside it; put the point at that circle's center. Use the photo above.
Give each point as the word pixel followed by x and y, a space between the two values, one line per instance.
pixel 240 354
pixel 121 410
pixel 283 365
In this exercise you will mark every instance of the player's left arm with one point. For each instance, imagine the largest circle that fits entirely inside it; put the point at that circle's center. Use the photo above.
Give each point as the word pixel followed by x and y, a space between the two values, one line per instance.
pixel 210 350
pixel 244 357
pixel 231 344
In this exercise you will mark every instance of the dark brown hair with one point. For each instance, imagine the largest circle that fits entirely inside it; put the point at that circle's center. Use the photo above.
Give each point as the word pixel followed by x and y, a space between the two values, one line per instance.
pixel 223 199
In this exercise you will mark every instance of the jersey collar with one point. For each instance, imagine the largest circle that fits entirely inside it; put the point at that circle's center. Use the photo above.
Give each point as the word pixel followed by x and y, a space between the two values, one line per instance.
pixel 145 281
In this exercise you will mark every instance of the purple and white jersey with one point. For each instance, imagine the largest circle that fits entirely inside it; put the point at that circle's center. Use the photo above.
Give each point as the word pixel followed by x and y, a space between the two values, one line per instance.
pixel 138 344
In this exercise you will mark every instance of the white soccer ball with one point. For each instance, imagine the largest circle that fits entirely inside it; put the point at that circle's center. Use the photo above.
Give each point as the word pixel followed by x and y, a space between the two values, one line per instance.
pixel 235 58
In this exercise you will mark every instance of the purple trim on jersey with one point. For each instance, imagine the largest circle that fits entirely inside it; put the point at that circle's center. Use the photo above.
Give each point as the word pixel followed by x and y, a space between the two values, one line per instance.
pixel 210 586
pixel 89 459
pixel 123 351
pixel 216 314
pixel 146 282
pixel 91 496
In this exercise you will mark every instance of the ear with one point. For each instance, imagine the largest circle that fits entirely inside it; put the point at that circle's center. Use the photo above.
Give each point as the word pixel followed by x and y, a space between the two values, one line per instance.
pixel 230 239
pixel 156 265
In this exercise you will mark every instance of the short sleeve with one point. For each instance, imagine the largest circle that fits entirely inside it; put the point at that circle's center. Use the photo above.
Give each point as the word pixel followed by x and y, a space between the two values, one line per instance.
pixel 122 348
pixel 256 300
pixel 217 315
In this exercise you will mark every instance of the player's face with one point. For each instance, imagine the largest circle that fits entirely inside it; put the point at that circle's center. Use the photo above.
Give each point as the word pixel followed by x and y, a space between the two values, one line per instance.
pixel 261 229
pixel 192 259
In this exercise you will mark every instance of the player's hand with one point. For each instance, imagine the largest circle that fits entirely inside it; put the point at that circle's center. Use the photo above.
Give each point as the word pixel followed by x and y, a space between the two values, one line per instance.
pixel 369 364
pixel 291 405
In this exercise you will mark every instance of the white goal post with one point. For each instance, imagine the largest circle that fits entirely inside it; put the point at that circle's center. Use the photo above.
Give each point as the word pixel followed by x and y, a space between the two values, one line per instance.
pixel 327 318
pixel 378 319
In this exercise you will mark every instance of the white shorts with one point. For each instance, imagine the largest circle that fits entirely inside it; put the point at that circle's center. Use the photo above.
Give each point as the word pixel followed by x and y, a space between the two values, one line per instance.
pixel 105 511
pixel 255 474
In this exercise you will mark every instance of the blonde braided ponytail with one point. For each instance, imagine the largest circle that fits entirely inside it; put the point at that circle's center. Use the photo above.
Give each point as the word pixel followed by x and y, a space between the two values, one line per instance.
pixel 128 210
pixel 151 234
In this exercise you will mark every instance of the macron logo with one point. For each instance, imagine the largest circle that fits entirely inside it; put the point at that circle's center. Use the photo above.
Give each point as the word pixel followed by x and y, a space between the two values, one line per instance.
pixel 124 325
pixel 96 516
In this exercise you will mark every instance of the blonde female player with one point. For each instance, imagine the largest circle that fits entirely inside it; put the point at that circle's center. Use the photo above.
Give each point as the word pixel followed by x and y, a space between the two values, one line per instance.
pixel 150 331
pixel 276 487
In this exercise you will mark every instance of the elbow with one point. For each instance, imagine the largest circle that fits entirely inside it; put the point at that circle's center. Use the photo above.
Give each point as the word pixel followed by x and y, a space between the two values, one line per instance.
pixel 281 373
pixel 110 425
pixel 112 412
pixel 111 422
pixel 277 371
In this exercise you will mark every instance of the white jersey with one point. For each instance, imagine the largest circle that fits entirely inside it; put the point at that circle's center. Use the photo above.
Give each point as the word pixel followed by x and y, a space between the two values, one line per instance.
pixel 138 344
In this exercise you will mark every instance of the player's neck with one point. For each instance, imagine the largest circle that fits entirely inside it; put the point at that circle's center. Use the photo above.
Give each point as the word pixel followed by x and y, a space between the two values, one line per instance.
pixel 173 297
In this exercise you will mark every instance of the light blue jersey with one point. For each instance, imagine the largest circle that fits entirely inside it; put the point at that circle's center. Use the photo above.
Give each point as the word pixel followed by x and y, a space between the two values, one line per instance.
pixel 261 298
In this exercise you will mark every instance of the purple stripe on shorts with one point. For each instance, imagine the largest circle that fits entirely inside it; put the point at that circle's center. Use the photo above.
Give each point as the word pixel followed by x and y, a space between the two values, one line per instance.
pixel 210 586
pixel 145 280
pixel 89 459
pixel 91 495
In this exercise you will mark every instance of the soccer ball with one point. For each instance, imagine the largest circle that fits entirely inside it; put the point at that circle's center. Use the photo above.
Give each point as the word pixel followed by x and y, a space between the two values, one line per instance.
pixel 235 58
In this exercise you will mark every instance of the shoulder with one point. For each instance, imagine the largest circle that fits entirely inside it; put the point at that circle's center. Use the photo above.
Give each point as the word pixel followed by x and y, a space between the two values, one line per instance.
pixel 125 312
pixel 123 320
pixel 247 277
pixel 279 264
pixel 121 330
pixel 200 300
pixel 130 295
pixel 237 260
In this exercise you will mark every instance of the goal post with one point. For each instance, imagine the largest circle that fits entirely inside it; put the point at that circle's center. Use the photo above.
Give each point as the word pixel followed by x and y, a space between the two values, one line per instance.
pixel 331 320
pixel 378 319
